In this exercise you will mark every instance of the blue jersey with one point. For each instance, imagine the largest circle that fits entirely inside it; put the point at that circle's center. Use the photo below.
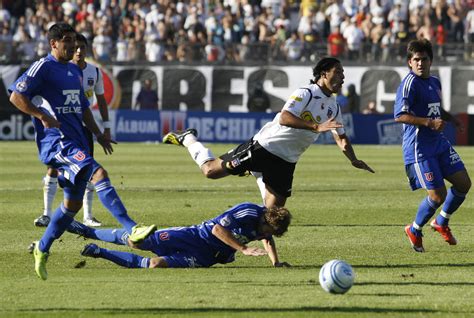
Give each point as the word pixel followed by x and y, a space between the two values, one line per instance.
pixel 241 220
pixel 420 97
pixel 56 89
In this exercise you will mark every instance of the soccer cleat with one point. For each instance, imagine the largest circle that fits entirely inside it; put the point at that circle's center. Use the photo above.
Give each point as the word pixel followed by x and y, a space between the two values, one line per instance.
pixel 415 241
pixel 445 232
pixel 177 138
pixel 91 250
pixel 92 222
pixel 42 221
pixel 139 233
pixel 40 261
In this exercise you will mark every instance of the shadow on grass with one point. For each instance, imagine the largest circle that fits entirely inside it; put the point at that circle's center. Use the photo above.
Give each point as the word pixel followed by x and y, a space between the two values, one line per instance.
pixel 387 266
pixel 215 310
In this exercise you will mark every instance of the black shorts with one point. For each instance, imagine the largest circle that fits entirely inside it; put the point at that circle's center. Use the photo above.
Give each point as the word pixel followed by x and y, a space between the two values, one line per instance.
pixel 251 156
pixel 90 140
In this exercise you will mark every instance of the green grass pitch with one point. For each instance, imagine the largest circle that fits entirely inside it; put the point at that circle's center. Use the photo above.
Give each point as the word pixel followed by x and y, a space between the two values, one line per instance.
pixel 338 212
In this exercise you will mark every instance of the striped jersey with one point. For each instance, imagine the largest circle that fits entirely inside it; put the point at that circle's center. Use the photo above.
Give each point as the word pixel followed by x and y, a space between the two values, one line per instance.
pixel 56 89
pixel 308 103
pixel 420 97
pixel 241 220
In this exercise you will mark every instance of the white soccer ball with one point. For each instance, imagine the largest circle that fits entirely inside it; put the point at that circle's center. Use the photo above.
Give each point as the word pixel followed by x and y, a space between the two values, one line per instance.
pixel 336 277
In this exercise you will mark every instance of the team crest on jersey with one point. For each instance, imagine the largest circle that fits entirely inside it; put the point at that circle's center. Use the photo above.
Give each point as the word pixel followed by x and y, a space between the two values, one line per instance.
pixel 79 156
pixel 307 116
pixel 164 236
pixel 225 221
pixel 429 176
pixel 322 105
pixel 90 81
pixel 330 112
pixel 21 87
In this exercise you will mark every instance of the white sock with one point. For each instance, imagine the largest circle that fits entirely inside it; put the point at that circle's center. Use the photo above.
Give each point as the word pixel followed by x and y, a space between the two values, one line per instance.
pixel 199 153
pixel 50 188
pixel 87 201
pixel 189 139
pixel 261 185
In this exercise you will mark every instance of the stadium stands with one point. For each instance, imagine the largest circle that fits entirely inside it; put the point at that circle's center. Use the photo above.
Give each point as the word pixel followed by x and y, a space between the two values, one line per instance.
pixel 235 31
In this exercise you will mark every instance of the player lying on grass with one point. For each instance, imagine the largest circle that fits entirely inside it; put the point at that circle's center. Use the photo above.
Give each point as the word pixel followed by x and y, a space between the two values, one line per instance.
pixel 211 242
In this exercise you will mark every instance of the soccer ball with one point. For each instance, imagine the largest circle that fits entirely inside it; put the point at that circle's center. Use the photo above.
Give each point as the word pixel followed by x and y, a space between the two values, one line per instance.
pixel 336 277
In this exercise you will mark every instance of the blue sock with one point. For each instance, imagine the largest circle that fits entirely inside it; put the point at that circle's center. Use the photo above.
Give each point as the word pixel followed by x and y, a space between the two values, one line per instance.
pixel 116 236
pixel 453 201
pixel 125 259
pixel 61 219
pixel 426 210
pixel 110 199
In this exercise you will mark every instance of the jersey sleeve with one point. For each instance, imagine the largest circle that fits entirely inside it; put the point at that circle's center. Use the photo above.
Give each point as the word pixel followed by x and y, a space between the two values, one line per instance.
pixel 297 102
pixel 338 118
pixel 30 82
pixel 405 97
pixel 99 86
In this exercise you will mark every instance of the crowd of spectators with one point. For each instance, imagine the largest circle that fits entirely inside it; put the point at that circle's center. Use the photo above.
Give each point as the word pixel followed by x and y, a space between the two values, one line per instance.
pixel 219 31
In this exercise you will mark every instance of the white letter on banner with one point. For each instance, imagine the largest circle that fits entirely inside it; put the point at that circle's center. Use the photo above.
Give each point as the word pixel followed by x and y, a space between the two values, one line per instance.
pixel 207 125
pixel 248 129
pixel 234 128
pixel 221 129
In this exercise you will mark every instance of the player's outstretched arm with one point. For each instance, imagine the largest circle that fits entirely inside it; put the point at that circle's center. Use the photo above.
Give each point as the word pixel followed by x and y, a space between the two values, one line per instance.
pixel 24 104
pixel 104 114
pixel 226 236
pixel 270 247
pixel 345 145
pixel 90 123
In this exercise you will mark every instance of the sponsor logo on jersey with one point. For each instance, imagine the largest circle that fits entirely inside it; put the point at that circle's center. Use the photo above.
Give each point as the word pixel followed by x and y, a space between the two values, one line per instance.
pixel 69 73
pixel 429 176
pixel 79 156
pixel 72 97
pixel 296 98
pixel 434 109
pixel 453 156
pixel 21 86
pixel 164 236
pixel 307 116
pixel 225 221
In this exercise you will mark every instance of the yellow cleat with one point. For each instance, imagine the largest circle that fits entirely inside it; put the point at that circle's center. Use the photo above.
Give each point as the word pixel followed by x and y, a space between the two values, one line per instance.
pixel 176 138
pixel 40 262
pixel 140 232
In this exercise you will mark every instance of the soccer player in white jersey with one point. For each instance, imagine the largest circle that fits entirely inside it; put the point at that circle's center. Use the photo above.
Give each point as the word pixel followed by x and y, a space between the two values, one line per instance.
pixel 271 155
pixel 93 84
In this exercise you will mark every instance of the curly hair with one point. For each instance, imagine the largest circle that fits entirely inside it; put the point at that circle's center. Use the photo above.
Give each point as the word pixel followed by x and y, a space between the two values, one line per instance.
pixel 279 219
pixel 324 65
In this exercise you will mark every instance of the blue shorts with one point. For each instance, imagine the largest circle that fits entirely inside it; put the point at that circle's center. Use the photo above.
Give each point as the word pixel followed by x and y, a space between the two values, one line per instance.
pixel 76 167
pixel 181 247
pixel 429 174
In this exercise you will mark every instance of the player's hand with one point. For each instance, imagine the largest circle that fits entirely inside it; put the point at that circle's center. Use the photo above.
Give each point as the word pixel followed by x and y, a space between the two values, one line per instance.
pixel 281 264
pixel 328 125
pixel 106 133
pixel 359 164
pixel 436 124
pixel 253 251
pixel 49 122
pixel 106 143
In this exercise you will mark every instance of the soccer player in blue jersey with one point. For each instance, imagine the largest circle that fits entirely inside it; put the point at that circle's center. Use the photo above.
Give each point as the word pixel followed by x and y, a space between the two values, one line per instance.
pixel 211 242
pixel 51 92
pixel 429 157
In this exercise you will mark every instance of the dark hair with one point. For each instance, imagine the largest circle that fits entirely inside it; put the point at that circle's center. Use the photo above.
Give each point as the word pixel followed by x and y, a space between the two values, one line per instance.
pixel 324 65
pixel 278 218
pixel 58 30
pixel 81 38
pixel 419 46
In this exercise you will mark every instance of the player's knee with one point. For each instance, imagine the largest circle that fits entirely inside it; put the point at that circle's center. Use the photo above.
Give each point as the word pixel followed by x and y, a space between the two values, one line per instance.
pixel 52 172
pixel 158 262
pixel 212 171
pixel 464 186
pixel 99 174
pixel 438 197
